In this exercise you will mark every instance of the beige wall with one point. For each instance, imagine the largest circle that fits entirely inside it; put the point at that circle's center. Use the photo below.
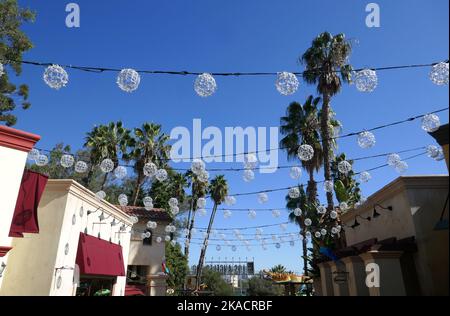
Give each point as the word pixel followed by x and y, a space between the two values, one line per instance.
pixel 36 259
pixel 417 203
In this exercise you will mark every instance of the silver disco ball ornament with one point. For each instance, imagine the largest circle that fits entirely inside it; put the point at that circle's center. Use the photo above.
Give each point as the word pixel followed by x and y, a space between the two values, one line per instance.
pixel 344 167
pixel 263 198
pixel 321 209
pixel 161 175
pixel 401 167
pixel 205 85
pixel 298 212
pixel 294 193
pixel 431 123
pixel 334 231
pixel 366 80
pixel 393 159
pixel 158 240
pixel 323 232
pixel 128 80
pixel 439 74
pixel 107 165
pixel 167 238
pixel 41 160
pixel 173 202
pixel 432 151
pixel 201 202
pixel 305 152
pixel 250 161
pixel 150 169
pixel 33 154
pixel 308 235
pixel 226 214
pixel 366 140
pixel 276 213
pixel 123 199
pixel 175 210
pixel 317 234
pixel 120 172
pixel 81 167
pixel 333 214
pixel 343 206
pixel 197 166
pixel 295 173
pixel 440 155
pixel 364 177
pixel 252 214
pixel 55 77
pixel 148 203
pixel 286 83
pixel 203 176
pixel 248 175
pixel 328 186
pixel 230 200
pixel 100 195
pixel 67 161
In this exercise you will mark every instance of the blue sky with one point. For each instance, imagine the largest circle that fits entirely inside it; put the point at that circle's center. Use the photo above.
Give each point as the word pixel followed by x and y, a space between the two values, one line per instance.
pixel 228 36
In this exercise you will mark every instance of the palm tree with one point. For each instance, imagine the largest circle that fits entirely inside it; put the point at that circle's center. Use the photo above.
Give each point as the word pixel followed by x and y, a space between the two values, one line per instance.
pixel 218 190
pixel 107 141
pixel 199 189
pixel 148 145
pixel 301 126
pixel 326 67
pixel 278 269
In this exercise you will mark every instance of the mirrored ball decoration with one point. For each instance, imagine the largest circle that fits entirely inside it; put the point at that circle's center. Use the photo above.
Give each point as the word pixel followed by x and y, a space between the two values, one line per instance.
pixel 323 232
pixel 128 80
pixel 321 209
pixel 173 202
pixel 230 200
pixel 42 160
pixel 276 213
pixel 263 198
pixel 250 161
pixel 100 195
pixel 167 238
pixel 148 203
pixel 120 172
pixel 205 85
pixel 161 175
pixel 81 167
pixel 317 234
pixel 333 214
pixel 150 169
pixel 67 161
pixel 432 151
pixel 401 167
pixel 158 240
pixel 123 199
pixel 344 167
pixel 248 175
pixel 197 166
pixel 431 123
pixel 295 173
pixel 286 83
pixel 33 154
pixel 366 140
pixel 298 212
pixel 440 155
pixel 107 165
pixel 393 159
pixel 328 186
pixel 175 210
pixel 365 177
pixel 308 222
pixel 203 176
pixel 294 193
pixel 305 152
pixel 252 214
pixel 226 214
pixel 201 202
pixel 334 231
pixel 366 80
pixel 343 206
pixel 55 77
pixel 439 74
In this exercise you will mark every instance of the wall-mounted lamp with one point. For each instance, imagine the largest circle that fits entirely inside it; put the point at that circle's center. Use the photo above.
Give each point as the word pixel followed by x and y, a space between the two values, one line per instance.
pixel 376 214
pixel 355 224
pixel 442 224
pixel 113 223
pixel 2 269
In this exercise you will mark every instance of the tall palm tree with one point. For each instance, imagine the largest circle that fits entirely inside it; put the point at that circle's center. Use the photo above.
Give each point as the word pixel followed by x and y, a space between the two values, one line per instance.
pixel 326 67
pixel 149 145
pixel 107 141
pixel 278 269
pixel 301 126
pixel 218 190
pixel 198 190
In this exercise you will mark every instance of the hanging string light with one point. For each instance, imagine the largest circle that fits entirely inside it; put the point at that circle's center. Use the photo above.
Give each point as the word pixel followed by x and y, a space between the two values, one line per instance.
pixel 263 198
pixel 305 152
pixel 67 161
pixel 364 177
pixel 344 167
pixel 294 193
pixel 205 85
pixel 2 69
pixel 343 206
pixel 55 77
pixel 251 214
pixel 298 212
pixel 161 175
pixel 230 200
pixel 431 123
pixel 226 214
pixel 401 167
pixel 202 212
pixel 393 159
pixel 366 80
pixel 100 195
pixel 432 151
pixel 328 186
pixel 123 199
pixel 41 160
pixel 248 175
pixel 197 166
pixel 366 140
pixel 203 176
pixel 201 202
pixel 321 209
pixel 120 172
pixel 128 80
pixel 439 74
pixel 295 173
pixel 33 154
pixel 286 83
pixel 81 167
pixel 148 203
pixel 150 169
pixel 107 165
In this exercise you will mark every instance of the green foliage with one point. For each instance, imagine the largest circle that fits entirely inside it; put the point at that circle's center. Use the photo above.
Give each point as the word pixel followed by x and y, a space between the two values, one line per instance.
pixel 263 287
pixel 178 266
pixel 279 268
pixel 13 43
pixel 345 186
pixel 214 282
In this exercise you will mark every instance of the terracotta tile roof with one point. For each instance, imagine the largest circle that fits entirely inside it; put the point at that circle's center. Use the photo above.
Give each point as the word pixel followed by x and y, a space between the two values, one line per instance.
pixel 157 214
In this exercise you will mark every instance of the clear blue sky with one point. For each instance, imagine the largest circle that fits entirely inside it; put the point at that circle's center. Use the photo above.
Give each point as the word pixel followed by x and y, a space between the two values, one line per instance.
pixel 236 35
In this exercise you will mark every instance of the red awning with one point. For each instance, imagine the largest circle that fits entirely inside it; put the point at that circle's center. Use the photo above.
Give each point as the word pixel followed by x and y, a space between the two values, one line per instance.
pixel 133 290
pixel 25 218
pixel 99 257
